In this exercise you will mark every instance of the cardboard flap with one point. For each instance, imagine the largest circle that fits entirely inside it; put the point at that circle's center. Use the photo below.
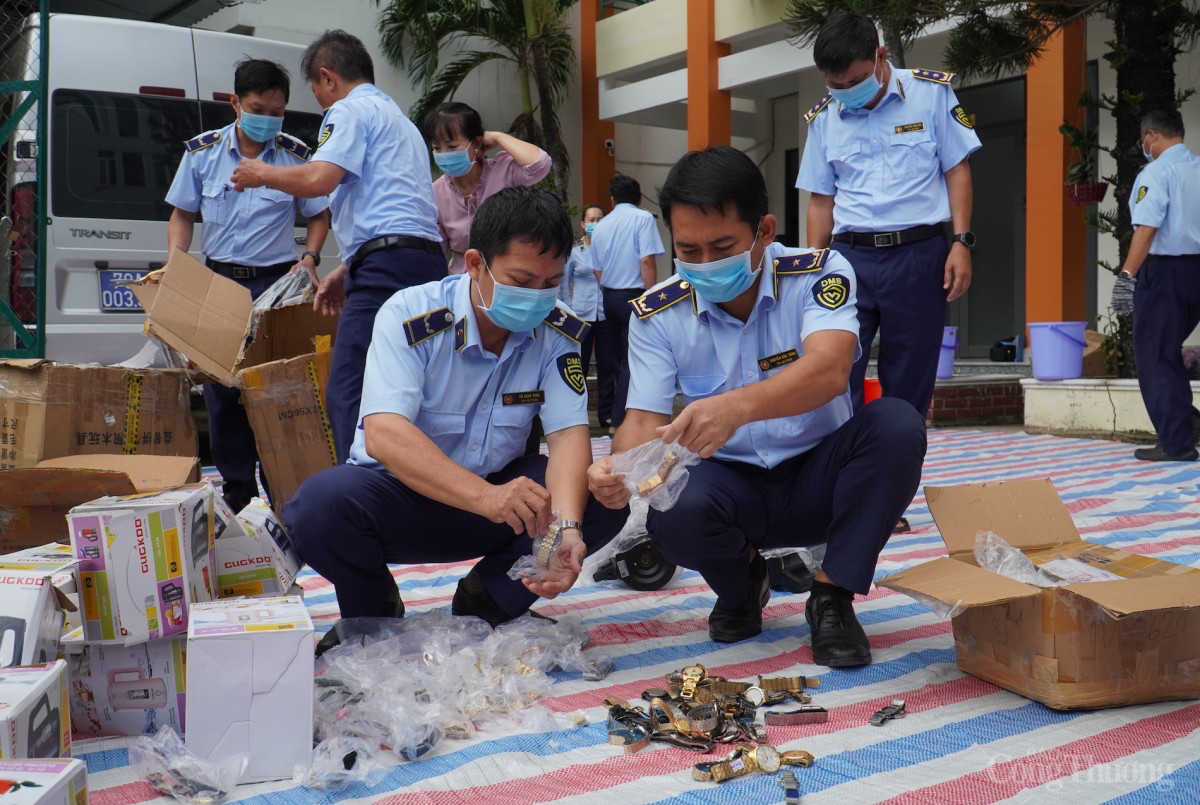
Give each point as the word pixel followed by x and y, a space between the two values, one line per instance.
pixel 287 332
pixel 147 473
pixel 201 314
pixel 24 363
pixel 60 487
pixel 956 584
pixel 1026 514
pixel 1130 596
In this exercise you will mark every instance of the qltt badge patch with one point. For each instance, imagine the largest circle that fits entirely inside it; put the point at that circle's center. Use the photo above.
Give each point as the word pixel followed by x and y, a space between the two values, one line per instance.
pixel 832 291
pixel 570 366
pixel 963 118
pixel 325 132
pixel 1141 194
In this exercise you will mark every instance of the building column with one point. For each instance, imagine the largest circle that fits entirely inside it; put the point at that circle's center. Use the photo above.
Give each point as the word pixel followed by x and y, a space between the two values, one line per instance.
pixel 1055 232
pixel 598 164
pixel 709 112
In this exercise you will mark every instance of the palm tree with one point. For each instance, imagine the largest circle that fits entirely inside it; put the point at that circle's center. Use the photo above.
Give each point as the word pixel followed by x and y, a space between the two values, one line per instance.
pixel 902 21
pixel 530 34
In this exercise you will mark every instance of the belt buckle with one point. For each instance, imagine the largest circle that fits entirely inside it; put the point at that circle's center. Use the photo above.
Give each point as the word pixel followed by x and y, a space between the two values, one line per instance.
pixel 243 273
pixel 884 239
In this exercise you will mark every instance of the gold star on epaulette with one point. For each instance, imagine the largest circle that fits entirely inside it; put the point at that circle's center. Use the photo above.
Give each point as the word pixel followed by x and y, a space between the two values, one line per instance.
pixel 661 299
pixel 937 76
pixel 292 145
pixel 203 141
pixel 568 324
pixel 811 114
pixel 803 263
pixel 427 325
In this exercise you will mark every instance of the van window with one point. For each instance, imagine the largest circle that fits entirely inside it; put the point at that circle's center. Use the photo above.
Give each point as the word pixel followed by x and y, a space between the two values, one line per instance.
pixel 114 155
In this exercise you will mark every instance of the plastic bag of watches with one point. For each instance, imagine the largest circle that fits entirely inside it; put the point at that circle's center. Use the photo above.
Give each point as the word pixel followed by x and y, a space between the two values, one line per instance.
pixel 293 288
pixel 342 761
pixel 631 556
pixel 655 471
pixel 166 764
pixel 533 566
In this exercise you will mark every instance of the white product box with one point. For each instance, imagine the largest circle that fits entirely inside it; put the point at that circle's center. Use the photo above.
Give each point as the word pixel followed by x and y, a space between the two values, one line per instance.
pixel 34 721
pixel 56 559
pixel 54 781
pixel 260 559
pixel 250 684
pixel 31 617
pixel 125 690
pixel 143 561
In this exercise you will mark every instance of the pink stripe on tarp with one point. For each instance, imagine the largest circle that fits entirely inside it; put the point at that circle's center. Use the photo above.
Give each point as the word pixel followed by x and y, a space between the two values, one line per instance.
pixel 1004 780
pixel 126 794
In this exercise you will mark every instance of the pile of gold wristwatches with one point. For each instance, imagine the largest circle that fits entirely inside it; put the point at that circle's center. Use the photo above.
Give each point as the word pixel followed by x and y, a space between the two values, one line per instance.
pixel 697 711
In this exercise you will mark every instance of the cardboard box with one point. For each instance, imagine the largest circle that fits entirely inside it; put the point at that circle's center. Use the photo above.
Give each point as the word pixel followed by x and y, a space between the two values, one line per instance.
pixel 260 559
pixel 143 561
pixel 34 721
pixel 285 403
pixel 56 409
pixel 54 559
pixel 125 690
pixel 31 616
pixel 250 684
pixel 1093 355
pixel 34 502
pixel 1129 639
pixel 56 781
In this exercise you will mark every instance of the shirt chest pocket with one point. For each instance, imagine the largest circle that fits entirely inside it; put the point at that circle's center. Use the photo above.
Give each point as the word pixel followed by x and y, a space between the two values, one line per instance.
pixel 910 154
pixel 849 162
pixel 513 417
pixel 697 387
pixel 214 203
pixel 268 200
pixel 441 423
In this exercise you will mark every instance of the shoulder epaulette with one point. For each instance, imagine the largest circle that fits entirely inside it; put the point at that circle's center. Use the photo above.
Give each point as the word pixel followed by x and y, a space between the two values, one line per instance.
pixel 203 141
pixel 936 76
pixel 427 325
pixel 805 263
pixel 662 298
pixel 289 143
pixel 811 114
pixel 568 324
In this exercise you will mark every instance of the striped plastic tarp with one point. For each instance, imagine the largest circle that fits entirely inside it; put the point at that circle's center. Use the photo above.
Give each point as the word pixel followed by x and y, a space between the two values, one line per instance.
pixel 964 740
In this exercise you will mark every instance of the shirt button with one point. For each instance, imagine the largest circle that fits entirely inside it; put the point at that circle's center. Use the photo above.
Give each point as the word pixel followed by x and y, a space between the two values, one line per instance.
pixel 475 447
pixel 483 406
pixel 749 374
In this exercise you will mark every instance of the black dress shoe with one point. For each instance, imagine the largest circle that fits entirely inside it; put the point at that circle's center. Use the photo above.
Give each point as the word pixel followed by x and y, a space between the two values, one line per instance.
pixel 902 526
pixel 1157 453
pixel 789 574
pixel 393 607
pixel 731 624
pixel 838 640
pixel 472 598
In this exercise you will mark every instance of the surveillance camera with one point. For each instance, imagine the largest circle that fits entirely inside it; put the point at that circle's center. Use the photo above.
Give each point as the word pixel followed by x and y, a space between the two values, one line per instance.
pixel 610 144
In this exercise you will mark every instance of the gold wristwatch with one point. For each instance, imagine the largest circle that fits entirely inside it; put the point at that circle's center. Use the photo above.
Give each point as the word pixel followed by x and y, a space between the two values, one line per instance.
pixel 796 757
pixel 691 678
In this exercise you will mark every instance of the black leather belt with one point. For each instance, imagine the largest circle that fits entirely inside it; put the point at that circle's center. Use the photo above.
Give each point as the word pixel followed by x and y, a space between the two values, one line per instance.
pixel 885 240
pixel 395 242
pixel 240 272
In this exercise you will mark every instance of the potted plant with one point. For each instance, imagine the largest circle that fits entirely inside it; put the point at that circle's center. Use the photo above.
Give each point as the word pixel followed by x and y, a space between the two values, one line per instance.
pixel 1081 184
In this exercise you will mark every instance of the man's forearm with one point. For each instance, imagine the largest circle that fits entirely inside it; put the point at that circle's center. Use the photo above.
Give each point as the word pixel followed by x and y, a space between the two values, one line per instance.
pixel 566 471
pixel 638 428
pixel 816 378
pixel 819 221
pixel 649 272
pixel 960 191
pixel 309 180
pixel 413 459
pixel 1139 248
pixel 316 232
pixel 180 228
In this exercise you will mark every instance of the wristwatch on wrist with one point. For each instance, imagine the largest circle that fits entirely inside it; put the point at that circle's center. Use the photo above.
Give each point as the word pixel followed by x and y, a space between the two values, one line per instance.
pixel 563 525
pixel 965 238
pixel 548 544
pixel 1125 275
pixel 316 258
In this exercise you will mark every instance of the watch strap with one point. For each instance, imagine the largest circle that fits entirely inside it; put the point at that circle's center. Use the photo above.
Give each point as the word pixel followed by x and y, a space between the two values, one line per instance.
pixel 796 757
pixel 316 256
pixel 808 714
pixel 792 684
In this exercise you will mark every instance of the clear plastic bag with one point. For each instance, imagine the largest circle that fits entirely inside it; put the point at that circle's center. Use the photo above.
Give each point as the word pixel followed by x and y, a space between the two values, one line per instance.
pixel 293 288
pixel 533 566
pixel 633 530
pixel 655 471
pixel 342 761
pixel 812 556
pixel 994 554
pixel 166 764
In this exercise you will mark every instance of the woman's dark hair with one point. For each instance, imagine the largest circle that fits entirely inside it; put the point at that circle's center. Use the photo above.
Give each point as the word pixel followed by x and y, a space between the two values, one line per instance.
pixel 340 53
pixel 258 76
pixel 712 178
pixel 526 214
pixel 843 40
pixel 583 213
pixel 448 120
pixel 625 189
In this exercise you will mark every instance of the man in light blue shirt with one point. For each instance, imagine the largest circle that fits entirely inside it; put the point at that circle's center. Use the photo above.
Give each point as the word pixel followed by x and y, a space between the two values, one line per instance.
pixel 885 163
pixel 372 159
pixel 1164 256
pixel 438 472
pixel 248 237
pixel 760 340
pixel 624 247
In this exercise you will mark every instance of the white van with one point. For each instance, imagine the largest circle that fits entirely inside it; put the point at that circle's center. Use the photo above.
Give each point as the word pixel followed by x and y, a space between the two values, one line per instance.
pixel 124 96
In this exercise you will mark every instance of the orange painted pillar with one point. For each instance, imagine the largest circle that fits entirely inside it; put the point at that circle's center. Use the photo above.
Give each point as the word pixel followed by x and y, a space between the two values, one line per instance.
pixel 598 165
pixel 709 112
pixel 1055 236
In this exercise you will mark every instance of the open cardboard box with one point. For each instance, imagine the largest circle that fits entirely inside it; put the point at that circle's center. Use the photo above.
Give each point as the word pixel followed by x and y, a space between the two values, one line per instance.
pixel 1130 640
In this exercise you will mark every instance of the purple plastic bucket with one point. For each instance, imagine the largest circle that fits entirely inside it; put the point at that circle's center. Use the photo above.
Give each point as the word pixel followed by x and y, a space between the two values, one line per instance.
pixel 1056 349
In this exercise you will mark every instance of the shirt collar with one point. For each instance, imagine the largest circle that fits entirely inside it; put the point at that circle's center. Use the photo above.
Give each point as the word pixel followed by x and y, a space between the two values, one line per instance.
pixel 464 320
pixel 1174 153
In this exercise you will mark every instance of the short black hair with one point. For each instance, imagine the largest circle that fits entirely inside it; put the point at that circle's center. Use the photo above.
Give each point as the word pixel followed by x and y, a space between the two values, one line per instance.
pixel 1167 122
pixel 260 75
pixel 526 214
pixel 447 120
pixel 843 40
pixel 712 178
pixel 625 189
pixel 338 52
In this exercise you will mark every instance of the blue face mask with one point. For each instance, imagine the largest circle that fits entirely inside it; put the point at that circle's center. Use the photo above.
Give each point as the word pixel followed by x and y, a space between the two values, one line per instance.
pixel 589 229
pixel 517 309
pixel 260 128
pixel 1146 152
pixel 860 94
pixel 454 163
pixel 721 280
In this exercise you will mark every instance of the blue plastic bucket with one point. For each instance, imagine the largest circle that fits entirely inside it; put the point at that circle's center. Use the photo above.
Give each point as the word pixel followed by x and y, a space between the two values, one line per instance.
pixel 945 368
pixel 1056 348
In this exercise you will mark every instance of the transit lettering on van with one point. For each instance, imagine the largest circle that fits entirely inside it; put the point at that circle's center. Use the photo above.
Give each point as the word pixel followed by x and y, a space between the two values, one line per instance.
pixel 111 234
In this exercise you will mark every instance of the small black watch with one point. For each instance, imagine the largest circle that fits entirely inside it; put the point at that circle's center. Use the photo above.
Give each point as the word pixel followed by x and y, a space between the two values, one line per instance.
pixel 965 238
pixel 316 256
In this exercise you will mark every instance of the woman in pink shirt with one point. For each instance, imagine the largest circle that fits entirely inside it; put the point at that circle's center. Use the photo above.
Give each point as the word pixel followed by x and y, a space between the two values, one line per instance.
pixel 455 133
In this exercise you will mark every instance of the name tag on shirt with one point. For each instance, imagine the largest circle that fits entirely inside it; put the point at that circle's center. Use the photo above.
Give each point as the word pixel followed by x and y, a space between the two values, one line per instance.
pixel 524 398
pixel 907 127
pixel 775 361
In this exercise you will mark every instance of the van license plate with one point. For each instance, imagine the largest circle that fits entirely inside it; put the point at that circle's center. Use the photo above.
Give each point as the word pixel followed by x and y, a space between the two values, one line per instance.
pixel 117 298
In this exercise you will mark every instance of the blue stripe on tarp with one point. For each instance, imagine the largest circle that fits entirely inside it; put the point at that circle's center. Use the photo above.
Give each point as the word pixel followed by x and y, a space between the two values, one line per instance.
pixel 1178 787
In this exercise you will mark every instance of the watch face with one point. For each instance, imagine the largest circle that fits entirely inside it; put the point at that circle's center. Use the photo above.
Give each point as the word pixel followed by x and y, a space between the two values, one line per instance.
pixel 755 696
pixel 694 671
pixel 767 758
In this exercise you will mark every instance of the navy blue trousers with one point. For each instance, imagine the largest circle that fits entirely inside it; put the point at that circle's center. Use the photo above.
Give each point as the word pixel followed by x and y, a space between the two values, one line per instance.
pixel 616 316
pixel 848 492
pixel 1166 308
pixel 348 522
pixel 606 367
pixel 900 296
pixel 230 438
pixel 372 282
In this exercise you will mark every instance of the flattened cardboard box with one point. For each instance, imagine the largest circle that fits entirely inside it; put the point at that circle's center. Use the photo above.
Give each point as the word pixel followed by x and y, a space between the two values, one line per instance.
pixel 34 502
pixel 56 409
pixel 34 720
pixel 1131 639
pixel 51 781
